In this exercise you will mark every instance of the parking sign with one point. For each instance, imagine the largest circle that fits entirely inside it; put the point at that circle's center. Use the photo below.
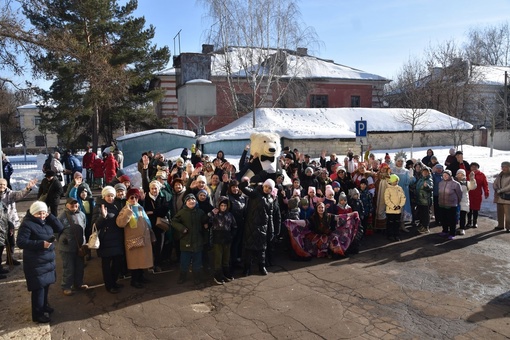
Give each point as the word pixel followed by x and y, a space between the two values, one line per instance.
pixel 361 128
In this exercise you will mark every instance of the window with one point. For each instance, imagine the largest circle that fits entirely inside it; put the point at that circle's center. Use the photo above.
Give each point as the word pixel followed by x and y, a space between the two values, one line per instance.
pixel 318 100
pixel 39 141
pixel 355 101
pixel 37 120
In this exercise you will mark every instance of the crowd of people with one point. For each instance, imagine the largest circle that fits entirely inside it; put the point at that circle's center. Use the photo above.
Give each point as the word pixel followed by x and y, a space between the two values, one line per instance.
pixel 205 215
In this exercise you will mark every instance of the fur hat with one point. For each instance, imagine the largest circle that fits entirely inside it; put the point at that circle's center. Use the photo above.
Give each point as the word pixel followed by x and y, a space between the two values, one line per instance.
pixel 107 190
pixel 269 182
pixel 133 192
pixel 38 206
pixel 393 178
pixel 161 174
pixel 353 192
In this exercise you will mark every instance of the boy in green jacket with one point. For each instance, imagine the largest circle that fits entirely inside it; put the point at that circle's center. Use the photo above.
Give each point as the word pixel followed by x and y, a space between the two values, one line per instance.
pixel 191 222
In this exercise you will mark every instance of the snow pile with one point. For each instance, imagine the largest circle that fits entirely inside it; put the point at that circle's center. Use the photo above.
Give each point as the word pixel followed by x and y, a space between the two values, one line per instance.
pixel 326 123
pixel 179 132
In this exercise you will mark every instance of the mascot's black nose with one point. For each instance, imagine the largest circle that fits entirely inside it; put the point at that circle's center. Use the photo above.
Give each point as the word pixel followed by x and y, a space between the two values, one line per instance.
pixel 272 150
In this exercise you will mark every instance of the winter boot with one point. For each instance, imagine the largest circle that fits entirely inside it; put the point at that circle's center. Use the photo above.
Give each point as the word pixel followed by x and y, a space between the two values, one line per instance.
pixel 182 278
pixel 218 277
pixel 227 276
pixel 262 269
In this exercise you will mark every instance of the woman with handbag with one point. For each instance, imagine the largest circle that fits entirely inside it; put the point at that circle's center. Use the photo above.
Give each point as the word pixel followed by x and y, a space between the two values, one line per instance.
pixel 35 237
pixel 137 235
pixel 502 197
pixel 111 249
pixel 157 208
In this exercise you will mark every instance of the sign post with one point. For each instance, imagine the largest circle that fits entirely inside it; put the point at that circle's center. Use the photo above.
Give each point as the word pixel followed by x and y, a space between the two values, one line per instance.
pixel 361 134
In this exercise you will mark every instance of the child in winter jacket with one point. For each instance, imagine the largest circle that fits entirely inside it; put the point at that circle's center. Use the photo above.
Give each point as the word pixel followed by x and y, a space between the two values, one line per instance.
pixel 423 192
pixel 190 222
pixel 343 207
pixel 466 186
pixel 394 199
pixel 224 227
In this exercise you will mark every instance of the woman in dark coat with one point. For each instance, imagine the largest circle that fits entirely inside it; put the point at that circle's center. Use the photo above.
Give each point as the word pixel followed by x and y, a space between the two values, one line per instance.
pixel 259 226
pixel 237 207
pixel 111 236
pixel 35 237
pixel 52 188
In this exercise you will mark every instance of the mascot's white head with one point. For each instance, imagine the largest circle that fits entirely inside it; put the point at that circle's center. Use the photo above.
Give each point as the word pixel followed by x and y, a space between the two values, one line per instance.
pixel 264 144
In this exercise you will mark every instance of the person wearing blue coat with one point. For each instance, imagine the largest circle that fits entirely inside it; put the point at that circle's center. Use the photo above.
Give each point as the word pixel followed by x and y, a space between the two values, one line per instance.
pixel 36 237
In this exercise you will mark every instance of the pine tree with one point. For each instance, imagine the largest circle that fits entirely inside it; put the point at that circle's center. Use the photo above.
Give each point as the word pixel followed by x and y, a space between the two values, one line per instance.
pixel 101 62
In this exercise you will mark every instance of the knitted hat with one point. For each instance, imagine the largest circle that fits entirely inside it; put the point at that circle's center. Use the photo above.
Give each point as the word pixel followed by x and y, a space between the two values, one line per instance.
pixel 363 181
pixel 461 171
pixel 269 182
pixel 393 178
pixel 120 186
pixel 81 189
pixel 335 184
pixel 201 178
pixel 311 190
pixel 329 191
pixel 179 159
pixel 38 206
pixel 124 178
pixel 296 192
pixel 438 166
pixel 133 192
pixel 199 165
pixel 203 191
pixel 108 190
pixel 77 174
pixel 387 156
pixel 189 197
pixel 448 172
pixel 155 184
pixel 341 168
pixel 342 196
pixel 309 170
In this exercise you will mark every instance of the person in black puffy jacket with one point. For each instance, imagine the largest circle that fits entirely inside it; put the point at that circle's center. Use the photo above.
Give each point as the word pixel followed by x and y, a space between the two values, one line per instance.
pixel 36 237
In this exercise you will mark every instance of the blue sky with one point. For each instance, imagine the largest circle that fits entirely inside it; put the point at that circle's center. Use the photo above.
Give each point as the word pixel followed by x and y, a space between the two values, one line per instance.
pixel 376 36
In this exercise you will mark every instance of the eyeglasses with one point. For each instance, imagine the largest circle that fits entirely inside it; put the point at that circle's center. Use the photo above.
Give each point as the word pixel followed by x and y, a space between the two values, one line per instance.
pixel 133 197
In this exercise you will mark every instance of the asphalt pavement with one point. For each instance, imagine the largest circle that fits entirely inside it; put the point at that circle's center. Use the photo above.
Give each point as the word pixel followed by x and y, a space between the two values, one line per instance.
pixel 423 287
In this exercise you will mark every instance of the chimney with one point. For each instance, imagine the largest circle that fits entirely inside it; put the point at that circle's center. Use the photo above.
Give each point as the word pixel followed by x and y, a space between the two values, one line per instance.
pixel 206 48
pixel 302 51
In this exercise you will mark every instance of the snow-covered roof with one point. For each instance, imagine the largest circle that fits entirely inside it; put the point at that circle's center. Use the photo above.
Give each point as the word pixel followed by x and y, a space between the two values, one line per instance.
pixel 179 132
pixel 491 75
pixel 326 123
pixel 298 66
pixel 28 106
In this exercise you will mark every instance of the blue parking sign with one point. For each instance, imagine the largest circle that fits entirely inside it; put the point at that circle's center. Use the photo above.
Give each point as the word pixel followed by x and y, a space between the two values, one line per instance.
pixel 361 128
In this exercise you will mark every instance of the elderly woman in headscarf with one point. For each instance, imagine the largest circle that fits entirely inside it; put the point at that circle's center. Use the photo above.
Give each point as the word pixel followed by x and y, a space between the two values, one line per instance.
pixel 137 235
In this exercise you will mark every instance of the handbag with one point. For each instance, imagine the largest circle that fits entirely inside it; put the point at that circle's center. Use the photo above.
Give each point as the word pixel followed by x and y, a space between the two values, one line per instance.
pixel 505 196
pixel 93 242
pixel 137 242
pixel 163 223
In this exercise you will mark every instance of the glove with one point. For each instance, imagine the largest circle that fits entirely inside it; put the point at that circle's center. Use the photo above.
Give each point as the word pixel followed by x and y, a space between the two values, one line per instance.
pixel 193 148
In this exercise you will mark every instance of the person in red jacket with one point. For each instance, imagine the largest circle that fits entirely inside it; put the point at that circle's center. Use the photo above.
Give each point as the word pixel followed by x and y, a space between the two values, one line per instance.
pixel 475 195
pixel 88 161
pixel 110 168
pixel 98 169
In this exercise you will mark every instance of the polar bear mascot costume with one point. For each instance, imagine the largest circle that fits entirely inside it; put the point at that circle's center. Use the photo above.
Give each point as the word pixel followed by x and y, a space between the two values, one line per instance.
pixel 264 150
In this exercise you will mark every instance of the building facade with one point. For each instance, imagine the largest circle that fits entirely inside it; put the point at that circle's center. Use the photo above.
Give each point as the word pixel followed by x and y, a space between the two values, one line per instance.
pixel 34 135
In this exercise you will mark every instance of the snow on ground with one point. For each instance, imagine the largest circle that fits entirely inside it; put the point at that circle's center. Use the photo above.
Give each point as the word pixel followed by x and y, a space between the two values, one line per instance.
pixel 488 165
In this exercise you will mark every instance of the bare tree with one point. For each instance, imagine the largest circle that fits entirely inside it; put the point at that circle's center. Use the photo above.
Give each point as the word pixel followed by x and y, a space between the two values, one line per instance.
pixel 407 92
pixel 489 45
pixel 266 35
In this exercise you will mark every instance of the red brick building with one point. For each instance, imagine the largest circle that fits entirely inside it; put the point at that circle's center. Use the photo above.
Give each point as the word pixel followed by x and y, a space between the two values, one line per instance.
pixel 282 78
